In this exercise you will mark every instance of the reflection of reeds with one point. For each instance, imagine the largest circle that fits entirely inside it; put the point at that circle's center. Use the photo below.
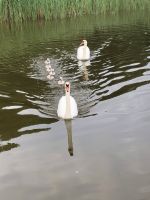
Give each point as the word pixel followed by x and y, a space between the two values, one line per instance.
pixel 46 9
pixel 8 147
pixel 59 29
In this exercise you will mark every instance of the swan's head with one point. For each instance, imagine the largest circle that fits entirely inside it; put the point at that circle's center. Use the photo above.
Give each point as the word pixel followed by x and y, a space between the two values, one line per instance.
pixel 67 87
pixel 84 42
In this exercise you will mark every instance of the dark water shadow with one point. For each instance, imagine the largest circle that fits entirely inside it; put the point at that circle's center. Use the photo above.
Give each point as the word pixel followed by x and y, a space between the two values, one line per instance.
pixel 8 146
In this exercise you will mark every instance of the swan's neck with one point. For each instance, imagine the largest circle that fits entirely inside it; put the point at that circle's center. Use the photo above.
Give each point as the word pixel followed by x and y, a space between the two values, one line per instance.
pixel 68 108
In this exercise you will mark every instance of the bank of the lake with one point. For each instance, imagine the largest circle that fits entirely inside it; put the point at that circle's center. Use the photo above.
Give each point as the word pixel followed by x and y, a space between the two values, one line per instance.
pixel 24 10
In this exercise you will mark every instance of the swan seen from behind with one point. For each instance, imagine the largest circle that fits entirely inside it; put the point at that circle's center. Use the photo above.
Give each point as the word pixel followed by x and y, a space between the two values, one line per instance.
pixel 83 52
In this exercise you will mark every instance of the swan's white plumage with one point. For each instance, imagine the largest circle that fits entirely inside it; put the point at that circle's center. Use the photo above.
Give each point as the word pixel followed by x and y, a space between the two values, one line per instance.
pixel 67 106
pixel 50 77
pixel 83 53
pixel 61 81
pixel 47 61
pixel 52 73
pixel 61 111
pixel 48 67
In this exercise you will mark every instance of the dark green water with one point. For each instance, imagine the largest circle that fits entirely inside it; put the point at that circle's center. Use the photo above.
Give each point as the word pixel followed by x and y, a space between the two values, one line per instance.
pixel 110 138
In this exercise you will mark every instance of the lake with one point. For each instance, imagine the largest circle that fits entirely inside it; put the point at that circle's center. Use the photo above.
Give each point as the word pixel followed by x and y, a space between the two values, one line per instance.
pixel 104 152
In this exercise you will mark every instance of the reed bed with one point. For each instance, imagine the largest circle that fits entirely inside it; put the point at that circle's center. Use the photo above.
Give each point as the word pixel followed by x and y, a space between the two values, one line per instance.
pixel 23 10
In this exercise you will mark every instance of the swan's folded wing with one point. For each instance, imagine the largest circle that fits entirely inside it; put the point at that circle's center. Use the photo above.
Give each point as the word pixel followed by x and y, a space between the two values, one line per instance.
pixel 83 53
pixel 74 109
pixel 87 53
pixel 80 53
pixel 61 107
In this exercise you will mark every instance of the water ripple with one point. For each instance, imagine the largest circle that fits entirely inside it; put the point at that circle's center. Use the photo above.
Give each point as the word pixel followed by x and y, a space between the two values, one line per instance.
pixel 119 64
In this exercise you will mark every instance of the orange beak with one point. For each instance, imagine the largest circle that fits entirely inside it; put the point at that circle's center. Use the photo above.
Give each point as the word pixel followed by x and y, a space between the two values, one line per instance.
pixel 82 43
pixel 67 87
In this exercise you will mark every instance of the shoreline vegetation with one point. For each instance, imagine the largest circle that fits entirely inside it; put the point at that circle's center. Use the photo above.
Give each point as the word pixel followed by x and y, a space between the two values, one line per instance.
pixel 35 10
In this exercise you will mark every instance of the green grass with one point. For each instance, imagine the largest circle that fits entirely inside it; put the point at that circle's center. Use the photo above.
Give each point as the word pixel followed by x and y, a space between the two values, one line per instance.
pixel 23 10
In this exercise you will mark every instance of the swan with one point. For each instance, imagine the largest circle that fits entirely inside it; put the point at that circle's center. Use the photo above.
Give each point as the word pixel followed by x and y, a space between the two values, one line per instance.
pixel 48 70
pixel 83 52
pixel 48 67
pixel 61 81
pixel 67 106
pixel 52 73
pixel 50 77
pixel 47 61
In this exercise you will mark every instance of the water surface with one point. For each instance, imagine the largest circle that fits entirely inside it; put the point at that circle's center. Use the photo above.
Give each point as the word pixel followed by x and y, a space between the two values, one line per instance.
pixel 109 140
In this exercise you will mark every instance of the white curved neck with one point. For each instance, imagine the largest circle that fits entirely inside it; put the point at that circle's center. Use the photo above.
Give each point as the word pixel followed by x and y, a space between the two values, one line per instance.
pixel 68 109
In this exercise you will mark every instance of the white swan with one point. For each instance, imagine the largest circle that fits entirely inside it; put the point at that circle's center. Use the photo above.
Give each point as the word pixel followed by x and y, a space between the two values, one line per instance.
pixel 52 73
pixel 83 52
pixel 50 77
pixel 47 61
pixel 67 106
pixel 61 81
pixel 48 68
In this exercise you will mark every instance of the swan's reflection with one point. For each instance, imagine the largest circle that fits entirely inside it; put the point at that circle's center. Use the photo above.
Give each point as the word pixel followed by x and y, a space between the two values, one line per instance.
pixel 68 124
pixel 83 68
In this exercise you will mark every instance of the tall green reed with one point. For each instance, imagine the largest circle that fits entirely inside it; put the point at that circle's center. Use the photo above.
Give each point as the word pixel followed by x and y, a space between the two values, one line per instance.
pixel 23 10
